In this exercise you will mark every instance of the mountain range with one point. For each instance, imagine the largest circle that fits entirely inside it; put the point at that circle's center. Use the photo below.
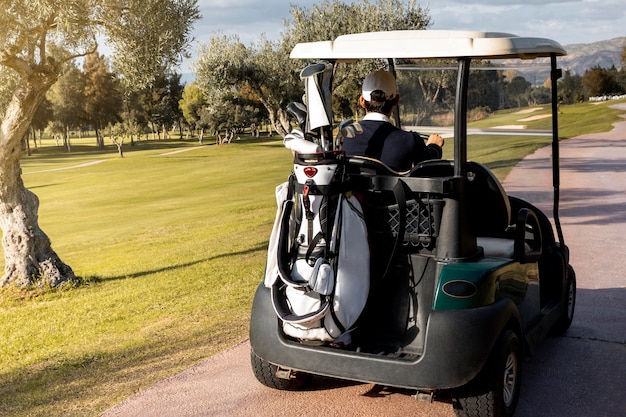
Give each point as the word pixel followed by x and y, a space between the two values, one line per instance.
pixel 582 56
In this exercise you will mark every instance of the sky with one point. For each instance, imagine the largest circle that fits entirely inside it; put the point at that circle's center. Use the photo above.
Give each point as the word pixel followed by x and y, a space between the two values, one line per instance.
pixel 566 21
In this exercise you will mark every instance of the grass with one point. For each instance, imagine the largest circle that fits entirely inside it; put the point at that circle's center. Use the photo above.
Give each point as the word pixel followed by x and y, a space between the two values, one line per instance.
pixel 171 248
pixel 502 153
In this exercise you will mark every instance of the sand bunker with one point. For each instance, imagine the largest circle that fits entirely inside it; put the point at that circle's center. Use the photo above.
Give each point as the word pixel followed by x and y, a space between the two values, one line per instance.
pixel 526 111
pixel 531 118
pixel 511 127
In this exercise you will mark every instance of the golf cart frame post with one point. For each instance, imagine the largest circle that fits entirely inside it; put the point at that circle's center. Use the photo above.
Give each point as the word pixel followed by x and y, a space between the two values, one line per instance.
pixel 555 75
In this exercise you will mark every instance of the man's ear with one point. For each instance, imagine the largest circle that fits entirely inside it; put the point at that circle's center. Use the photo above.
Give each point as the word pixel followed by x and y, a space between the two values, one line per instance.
pixel 362 102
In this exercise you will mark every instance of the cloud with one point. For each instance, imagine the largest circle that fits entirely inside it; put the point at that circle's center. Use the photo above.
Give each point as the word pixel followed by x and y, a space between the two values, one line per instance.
pixel 566 21
pixel 499 3
pixel 224 14
pixel 582 21
pixel 569 21
pixel 245 18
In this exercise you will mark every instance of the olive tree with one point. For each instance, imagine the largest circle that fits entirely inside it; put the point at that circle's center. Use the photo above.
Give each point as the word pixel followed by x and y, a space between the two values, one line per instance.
pixel 330 19
pixel 38 39
pixel 262 67
pixel 190 104
pixel 102 98
pixel 67 97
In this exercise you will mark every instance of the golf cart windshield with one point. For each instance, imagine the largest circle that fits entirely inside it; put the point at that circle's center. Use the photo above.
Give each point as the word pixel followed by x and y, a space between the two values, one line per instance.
pixel 507 101
pixel 443 73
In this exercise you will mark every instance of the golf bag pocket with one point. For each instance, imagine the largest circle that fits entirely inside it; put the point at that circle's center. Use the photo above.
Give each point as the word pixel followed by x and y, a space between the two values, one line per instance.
pixel 322 279
pixel 271 267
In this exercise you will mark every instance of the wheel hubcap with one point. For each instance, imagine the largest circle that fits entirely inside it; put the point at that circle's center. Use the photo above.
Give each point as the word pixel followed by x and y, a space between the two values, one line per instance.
pixel 510 379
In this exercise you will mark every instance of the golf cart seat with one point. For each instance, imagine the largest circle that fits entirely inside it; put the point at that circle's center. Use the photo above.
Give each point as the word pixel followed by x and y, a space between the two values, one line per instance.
pixel 489 207
pixel 366 165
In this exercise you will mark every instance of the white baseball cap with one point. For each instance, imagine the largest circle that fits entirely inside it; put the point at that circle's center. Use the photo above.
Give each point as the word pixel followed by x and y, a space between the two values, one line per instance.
pixel 379 80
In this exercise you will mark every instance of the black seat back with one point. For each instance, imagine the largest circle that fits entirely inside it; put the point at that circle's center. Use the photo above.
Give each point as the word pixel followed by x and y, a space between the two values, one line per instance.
pixel 487 202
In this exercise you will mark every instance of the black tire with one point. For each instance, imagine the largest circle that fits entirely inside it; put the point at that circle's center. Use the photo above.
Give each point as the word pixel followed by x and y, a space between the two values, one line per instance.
pixel 495 391
pixel 566 318
pixel 265 373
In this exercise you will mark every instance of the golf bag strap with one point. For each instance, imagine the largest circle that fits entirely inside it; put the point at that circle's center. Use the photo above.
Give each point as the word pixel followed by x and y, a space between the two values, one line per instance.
pixel 284 272
pixel 314 189
pixel 283 311
pixel 284 253
pixel 399 192
pixel 291 187
pixel 313 245
pixel 310 216
pixel 337 322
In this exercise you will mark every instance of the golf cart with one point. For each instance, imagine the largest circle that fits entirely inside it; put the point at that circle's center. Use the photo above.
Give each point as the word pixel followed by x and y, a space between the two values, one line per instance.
pixel 457 281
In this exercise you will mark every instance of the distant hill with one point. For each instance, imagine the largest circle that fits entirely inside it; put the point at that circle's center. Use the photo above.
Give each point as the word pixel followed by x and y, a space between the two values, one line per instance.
pixel 582 56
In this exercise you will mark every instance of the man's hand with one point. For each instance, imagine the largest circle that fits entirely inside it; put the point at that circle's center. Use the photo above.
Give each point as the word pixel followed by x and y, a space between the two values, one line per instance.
pixel 436 139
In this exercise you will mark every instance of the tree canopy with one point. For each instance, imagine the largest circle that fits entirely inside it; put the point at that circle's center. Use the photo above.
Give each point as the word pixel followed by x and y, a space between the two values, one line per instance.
pixel 265 68
pixel 102 95
pixel 38 40
pixel 600 81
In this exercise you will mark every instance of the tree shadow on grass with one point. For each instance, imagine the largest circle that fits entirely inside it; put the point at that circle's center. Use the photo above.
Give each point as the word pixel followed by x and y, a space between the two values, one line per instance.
pixel 259 247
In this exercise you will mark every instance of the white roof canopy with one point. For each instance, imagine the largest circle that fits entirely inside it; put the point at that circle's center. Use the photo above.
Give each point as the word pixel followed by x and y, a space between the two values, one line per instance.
pixel 428 44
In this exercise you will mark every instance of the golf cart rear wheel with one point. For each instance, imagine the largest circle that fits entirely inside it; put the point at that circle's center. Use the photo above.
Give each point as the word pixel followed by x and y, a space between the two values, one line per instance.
pixel 566 318
pixel 266 374
pixel 495 391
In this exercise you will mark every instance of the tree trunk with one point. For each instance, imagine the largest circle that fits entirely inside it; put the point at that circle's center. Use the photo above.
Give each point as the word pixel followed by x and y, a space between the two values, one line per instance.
pixel 277 118
pixel 99 138
pixel 66 140
pixel 28 255
pixel 27 144
pixel 34 133
pixel 285 123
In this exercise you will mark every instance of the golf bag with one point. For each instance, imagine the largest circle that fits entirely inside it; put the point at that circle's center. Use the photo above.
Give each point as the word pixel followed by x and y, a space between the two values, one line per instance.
pixel 318 262
pixel 318 257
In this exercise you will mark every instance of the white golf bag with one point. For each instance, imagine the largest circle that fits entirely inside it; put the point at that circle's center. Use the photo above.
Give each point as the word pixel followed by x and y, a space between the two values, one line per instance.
pixel 318 259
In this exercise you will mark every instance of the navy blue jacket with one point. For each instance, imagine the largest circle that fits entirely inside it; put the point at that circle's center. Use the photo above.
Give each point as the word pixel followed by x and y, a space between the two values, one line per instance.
pixel 395 147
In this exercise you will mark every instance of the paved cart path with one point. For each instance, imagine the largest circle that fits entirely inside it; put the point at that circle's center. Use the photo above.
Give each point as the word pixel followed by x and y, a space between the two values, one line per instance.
pixel 580 374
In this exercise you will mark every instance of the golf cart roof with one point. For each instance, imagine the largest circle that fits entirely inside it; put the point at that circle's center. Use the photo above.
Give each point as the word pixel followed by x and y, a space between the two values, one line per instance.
pixel 428 44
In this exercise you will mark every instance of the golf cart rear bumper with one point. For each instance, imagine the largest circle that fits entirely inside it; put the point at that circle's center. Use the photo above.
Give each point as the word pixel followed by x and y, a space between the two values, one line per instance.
pixel 461 342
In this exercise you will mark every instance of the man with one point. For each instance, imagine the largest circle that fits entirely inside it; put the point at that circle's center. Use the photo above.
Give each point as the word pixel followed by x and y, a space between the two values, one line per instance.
pixel 380 139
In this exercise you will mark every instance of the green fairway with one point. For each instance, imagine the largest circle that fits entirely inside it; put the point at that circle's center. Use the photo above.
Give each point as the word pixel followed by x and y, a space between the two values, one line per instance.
pixel 170 247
